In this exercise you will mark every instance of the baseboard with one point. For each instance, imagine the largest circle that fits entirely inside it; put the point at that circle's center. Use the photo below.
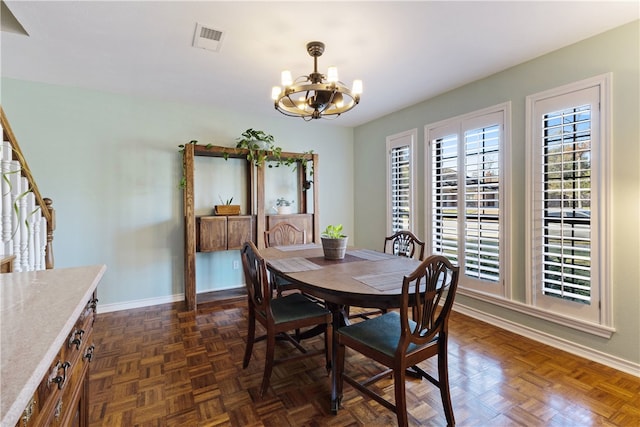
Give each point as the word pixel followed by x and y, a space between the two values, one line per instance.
pixel 553 341
pixel 207 296
pixel 107 308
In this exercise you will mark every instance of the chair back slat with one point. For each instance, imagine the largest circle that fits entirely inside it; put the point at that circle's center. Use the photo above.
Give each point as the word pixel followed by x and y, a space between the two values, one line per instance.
pixel 284 234
pixel 404 243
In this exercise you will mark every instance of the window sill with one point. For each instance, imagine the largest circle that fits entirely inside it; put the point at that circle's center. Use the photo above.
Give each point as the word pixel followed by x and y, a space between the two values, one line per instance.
pixel 570 322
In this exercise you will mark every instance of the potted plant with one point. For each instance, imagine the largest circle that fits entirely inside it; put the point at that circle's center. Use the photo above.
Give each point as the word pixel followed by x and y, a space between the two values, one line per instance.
pixel 226 208
pixel 259 145
pixel 283 206
pixel 334 243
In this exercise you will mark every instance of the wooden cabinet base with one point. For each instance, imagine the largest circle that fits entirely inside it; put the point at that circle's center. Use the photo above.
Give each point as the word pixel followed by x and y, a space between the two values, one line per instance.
pixel 63 394
pixel 223 233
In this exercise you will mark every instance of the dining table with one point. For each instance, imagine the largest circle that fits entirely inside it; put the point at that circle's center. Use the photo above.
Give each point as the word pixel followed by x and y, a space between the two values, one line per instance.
pixel 363 278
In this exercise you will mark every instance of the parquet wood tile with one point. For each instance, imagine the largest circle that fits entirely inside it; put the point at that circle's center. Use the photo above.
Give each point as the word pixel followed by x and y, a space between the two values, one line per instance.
pixel 163 366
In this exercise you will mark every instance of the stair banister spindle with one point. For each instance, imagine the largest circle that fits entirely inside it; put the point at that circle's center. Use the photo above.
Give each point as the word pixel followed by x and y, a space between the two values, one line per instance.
pixel 5 165
pixel 37 216
pixel 42 243
pixel 23 230
pixel 15 219
pixel 30 221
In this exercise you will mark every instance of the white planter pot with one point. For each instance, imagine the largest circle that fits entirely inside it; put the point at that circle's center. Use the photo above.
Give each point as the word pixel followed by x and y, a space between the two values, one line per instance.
pixel 284 210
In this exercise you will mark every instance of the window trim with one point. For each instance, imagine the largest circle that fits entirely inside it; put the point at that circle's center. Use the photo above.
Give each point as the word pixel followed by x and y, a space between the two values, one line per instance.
pixel 394 141
pixel 602 196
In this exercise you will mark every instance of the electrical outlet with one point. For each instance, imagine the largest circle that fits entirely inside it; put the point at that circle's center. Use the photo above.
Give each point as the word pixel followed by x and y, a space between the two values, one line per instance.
pixel 236 265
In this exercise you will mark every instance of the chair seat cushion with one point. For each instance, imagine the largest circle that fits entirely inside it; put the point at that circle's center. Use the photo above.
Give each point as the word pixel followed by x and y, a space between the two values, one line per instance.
pixel 295 306
pixel 382 333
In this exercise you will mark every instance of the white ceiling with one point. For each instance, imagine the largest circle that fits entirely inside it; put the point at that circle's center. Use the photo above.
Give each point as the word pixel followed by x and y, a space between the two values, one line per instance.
pixel 404 52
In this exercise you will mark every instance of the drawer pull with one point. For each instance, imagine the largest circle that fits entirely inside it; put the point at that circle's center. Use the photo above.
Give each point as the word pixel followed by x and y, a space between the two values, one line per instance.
pixel 93 303
pixel 76 338
pixel 58 410
pixel 28 412
pixel 60 379
pixel 89 354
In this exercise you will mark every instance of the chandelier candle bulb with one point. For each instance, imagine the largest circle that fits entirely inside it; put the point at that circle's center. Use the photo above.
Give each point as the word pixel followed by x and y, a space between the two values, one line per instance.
pixel 286 78
pixel 332 75
pixel 275 91
pixel 357 87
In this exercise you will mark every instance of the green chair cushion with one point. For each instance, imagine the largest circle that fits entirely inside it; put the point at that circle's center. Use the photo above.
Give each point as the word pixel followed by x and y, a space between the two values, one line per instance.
pixel 293 307
pixel 381 333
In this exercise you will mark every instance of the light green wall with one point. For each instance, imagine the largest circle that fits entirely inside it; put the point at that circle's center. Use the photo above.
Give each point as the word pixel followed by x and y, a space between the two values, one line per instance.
pixel 616 51
pixel 111 165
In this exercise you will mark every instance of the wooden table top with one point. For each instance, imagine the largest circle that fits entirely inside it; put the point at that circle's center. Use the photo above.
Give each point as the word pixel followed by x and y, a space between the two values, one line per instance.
pixel 364 278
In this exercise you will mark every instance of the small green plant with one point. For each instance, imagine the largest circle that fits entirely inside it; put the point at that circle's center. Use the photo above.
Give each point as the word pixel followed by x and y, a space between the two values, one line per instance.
pixel 225 202
pixel 333 232
pixel 283 202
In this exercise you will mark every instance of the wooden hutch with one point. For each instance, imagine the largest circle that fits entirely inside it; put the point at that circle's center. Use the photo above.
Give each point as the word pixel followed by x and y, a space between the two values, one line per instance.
pixel 218 232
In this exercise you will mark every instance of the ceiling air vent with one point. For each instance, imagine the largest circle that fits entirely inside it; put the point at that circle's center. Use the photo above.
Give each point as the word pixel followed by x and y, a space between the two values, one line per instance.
pixel 207 38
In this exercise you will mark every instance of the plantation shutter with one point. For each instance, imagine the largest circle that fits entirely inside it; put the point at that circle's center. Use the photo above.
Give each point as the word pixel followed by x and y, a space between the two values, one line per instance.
pixel 482 203
pixel 444 203
pixel 400 188
pixel 566 203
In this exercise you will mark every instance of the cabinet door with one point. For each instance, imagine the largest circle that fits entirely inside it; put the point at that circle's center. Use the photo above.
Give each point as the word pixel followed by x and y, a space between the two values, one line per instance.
pixel 240 230
pixel 212 233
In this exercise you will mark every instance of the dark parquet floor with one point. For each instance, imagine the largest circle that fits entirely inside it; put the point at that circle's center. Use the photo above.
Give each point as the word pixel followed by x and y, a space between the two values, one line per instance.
pixel 163 366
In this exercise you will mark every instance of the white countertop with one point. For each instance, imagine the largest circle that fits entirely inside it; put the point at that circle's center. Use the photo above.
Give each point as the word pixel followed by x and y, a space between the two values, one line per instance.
pixel 38 310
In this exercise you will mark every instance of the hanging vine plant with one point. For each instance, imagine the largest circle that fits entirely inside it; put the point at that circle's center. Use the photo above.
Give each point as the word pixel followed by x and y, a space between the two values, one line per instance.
pixel 260 146
pixel 261 150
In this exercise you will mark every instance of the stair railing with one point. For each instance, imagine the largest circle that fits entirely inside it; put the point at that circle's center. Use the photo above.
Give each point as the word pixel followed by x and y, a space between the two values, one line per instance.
pixel 27 222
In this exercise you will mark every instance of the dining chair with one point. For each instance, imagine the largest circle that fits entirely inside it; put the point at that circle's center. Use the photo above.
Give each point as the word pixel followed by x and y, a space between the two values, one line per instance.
pixel 399 340
pixel 401 243
pixel 404 243
pixel 283 234
pixel 278 316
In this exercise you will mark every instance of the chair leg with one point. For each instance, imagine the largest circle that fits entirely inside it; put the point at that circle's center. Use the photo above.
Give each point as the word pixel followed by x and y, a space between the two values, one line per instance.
pixel 339 371
pixel 251 336
pixel 328 345
pixel 401 397
pixel 268 362
pixel 443 379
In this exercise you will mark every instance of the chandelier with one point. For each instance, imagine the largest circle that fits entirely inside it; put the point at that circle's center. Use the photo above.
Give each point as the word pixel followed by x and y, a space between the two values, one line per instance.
pixel 316 95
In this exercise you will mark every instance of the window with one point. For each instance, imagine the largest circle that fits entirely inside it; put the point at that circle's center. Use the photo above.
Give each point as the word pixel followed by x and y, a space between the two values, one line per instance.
pixel 568 194
pixel 466 175
pixel 400 188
